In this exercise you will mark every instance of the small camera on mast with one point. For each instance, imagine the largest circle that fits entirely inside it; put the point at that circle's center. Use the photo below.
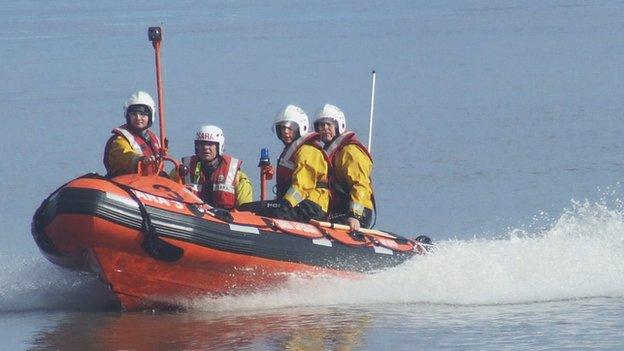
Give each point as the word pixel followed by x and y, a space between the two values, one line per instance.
pixel 154 34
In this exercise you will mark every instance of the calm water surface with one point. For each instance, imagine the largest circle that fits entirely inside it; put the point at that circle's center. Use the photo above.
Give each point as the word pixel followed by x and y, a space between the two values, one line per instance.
pixel 574 324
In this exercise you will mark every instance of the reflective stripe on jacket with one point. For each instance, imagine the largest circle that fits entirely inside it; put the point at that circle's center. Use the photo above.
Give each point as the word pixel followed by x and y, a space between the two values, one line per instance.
pixel 302 172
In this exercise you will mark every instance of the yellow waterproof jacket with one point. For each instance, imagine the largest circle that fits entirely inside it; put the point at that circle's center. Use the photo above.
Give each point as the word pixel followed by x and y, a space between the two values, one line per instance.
pixel 352 167
pixel 124 149
pixel 311 169
pixel 244 189
pixel 121 156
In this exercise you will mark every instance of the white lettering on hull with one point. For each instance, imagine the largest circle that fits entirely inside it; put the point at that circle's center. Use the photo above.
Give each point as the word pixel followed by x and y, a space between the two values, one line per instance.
pixel 157 199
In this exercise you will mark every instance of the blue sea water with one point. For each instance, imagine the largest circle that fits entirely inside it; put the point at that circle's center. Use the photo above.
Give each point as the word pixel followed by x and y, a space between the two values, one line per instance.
pixel 498 133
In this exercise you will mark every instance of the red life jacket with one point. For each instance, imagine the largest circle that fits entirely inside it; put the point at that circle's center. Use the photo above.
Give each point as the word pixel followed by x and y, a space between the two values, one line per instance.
pixel 145 147
pixel 340 193
pixel 286 164
pixel 220 189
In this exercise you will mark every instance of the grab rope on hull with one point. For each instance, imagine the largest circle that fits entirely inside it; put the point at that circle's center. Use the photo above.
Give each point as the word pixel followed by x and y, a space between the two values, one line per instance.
pixel 152 245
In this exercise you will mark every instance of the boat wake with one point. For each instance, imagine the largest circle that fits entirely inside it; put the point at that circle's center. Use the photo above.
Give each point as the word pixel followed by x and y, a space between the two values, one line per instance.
pixel 578 255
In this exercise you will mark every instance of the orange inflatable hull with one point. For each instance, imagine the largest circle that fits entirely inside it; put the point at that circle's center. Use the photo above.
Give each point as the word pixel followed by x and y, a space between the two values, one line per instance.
pixel 153 242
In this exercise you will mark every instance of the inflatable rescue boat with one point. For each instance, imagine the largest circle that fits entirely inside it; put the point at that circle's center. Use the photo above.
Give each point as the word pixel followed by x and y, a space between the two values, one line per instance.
pixel 152 241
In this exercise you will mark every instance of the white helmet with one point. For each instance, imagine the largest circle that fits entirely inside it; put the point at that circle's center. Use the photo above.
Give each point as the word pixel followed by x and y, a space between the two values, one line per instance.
pixel 213 134
pixel 294 117
pixel 138 99
pixel 332 114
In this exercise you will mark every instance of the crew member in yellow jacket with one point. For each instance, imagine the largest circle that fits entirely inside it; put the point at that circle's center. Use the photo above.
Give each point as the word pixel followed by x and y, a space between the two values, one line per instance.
pixel 351 166
pixel 133 142
pixel 214 176
pixel 302 170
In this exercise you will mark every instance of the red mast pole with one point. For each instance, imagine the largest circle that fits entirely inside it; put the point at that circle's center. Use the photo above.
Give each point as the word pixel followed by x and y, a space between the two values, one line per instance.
pixel 155 36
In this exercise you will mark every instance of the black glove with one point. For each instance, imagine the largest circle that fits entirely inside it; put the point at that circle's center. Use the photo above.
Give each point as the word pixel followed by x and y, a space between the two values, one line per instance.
pixel 359 217
pixel 365 218
pixel 254 206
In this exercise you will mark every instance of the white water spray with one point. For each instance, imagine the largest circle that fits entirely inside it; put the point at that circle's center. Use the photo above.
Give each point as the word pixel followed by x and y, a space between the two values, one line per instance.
pixel 580 255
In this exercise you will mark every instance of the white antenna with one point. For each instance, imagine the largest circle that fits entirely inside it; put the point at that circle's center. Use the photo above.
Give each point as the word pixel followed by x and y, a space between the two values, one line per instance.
pixel 372 109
